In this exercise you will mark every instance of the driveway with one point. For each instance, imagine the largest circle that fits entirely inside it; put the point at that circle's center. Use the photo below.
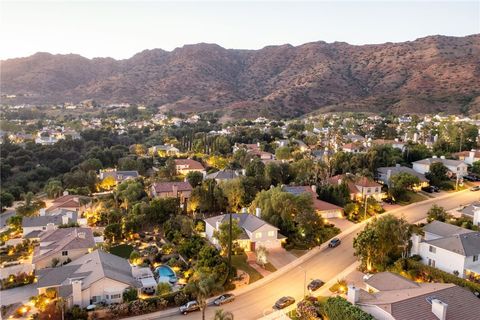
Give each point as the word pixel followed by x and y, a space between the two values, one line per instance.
pixel 18 294
pixel 341 223
pixel 280 257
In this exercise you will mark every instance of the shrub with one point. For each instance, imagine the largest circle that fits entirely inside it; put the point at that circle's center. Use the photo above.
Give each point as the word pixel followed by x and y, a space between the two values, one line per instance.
pixel 337 308
pixel 130 294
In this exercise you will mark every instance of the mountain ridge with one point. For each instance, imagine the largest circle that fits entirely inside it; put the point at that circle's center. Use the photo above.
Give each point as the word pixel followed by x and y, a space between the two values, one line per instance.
pixel 430 74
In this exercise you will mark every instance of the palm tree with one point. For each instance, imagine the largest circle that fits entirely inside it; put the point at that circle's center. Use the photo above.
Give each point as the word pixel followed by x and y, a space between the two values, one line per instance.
pixel 202 286
pixel 222 315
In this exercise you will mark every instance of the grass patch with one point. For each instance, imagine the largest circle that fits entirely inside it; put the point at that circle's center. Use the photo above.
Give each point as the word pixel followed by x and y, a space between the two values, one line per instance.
pixel 240 262
pixel 270 267
pixel 122 250
pixel 412 198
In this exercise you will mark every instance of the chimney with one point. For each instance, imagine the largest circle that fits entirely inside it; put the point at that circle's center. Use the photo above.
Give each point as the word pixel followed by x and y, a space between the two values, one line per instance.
pixel 416 239
pixel 439 309
pixel 42 212
pixel 397 165
pixel 258 212
pixel 442 157
pixel 258 144
pixel 77 292
pixel 244 210
pixel 353 294
pixel 175 190
pixel 434 157
pixel 50 226
pixel 314 188
pixel 471 156
pixel 65 193
pixel 64 219
pixel 389 174
pixel 217 225
pixel 81 235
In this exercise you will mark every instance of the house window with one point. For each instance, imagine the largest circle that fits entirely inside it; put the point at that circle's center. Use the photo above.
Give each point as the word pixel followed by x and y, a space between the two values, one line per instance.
pixel 271 233
pixel 432 249
pixel 475 258
pixel 431 263
pixel 64 253
pixel 96 299
pixel 44 228
pixel 258 235
pixel 115 296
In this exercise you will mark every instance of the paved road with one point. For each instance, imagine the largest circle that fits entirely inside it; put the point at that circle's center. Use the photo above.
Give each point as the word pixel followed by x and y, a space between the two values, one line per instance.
pixel 325 265
pixel 5 215
pixel 18 294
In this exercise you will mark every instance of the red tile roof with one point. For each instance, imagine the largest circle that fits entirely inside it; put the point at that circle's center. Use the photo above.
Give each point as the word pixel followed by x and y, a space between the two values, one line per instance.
pixel 189 163
pixel 163 187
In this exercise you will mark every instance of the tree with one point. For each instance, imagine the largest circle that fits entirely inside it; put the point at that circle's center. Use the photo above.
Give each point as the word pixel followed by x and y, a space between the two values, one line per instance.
pixel 261 253
pixel 130 191
pixel 337 308
pixel 113 231
pixel 283 153
pixel 53 188
pixel 393 236
pixel 222 315
pixel 6 200
pixel 400 183
pixel 437 174
pixel 91 164
pixel 135 257
pixel 235 192
pixel 438 213
pixel 108 183
pixel 15 223
pixel 222 235
pixel 476 167
pixel 202 286
pixel 195 178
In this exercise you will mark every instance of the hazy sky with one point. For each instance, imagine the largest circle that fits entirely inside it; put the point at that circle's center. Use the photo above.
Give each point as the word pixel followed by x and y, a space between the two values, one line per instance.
pixel 120 29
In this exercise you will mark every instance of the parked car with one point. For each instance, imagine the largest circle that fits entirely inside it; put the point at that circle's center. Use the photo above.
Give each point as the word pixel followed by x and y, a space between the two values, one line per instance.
pixel 284 302
pixel 428 189
pixel 389 200
pixel 315 285
pixel 470 178
pixel 435 188
pixel 189 307
pixel 224 298
pixel 334 243
pixel 476 188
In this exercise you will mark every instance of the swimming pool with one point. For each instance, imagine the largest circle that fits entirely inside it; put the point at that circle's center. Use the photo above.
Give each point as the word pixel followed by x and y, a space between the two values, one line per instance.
pixel 166 274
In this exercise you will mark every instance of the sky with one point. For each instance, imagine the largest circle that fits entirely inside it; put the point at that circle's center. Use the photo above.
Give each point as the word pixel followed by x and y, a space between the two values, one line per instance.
pixel 119 29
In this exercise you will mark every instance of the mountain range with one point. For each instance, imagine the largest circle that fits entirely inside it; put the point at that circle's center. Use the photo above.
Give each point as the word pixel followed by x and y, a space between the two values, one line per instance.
pixel 431 74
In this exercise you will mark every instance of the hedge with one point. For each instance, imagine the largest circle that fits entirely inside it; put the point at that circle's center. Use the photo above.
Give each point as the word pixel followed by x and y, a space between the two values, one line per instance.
pixel 337 308
pixel 418 269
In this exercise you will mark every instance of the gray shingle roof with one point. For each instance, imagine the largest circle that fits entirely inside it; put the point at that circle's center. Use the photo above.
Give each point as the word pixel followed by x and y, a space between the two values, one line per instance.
pixel 467 244
pixel 401 169
pixel 444 229
pixel 249 222
pixel 222 175
pixel 447 162
pixel 90 268
pixel 40 221
pixel 386 281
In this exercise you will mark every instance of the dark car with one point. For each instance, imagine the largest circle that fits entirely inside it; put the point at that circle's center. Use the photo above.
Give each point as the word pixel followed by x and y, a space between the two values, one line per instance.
pixel 436 189
pixel 189 307
pixel 476 188
pixel 224 298
pixel 315 285
pixel 284 302
pixel 470 178
pixel 428 189
pixel 334 243
pixel 389 200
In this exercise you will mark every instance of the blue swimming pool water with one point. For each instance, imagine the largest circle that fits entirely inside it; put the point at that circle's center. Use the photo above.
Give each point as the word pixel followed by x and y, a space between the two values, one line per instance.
pixel 165 273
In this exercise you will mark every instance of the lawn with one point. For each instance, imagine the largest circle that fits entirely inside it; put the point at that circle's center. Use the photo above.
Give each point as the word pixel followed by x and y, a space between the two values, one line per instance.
pixel 122 250
pixel 240 262
pixel 413 197
pixel 297 252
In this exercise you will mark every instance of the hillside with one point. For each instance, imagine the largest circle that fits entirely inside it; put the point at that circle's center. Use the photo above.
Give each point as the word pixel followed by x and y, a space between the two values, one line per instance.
pixel 430 74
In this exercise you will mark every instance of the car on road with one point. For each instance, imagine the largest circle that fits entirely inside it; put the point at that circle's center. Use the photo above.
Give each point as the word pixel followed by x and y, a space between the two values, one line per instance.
pixel 224 298
pixel 315 285
pixel 334 243
pixel 476 188
pixel 284 302
pixel 189 307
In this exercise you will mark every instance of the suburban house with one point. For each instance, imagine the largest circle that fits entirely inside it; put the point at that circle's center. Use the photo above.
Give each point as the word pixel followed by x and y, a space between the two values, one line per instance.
pixel 449 248
pixel 222 175
pixel 472 212
pixel 469 157
pixel 359 187
pixel 254 149
pixel 118 176
pixel 353 147
pixel 62 245
pixel 323 208
pixel 256 232
pixel 180 189
pixel 385 173
pixel 389 296
pixel 184 166
pixel 92 278
pixel 68 202
pixel 456 168
pixel 33 226
pixel 163 150
pixel 394 143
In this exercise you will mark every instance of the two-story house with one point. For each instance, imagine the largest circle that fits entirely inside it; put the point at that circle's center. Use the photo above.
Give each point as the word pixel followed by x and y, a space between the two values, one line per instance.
pixel 62 245
pixel 469 157
pixel 97 277
pixel 118 175
pixel 385 173
pixel 33 226
pixel 322 208
pixel 456 168
pixel 163 150
pixel 177 189
pixel 256 232
pixel 184 166
pixel 449 248
pixel 359 187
